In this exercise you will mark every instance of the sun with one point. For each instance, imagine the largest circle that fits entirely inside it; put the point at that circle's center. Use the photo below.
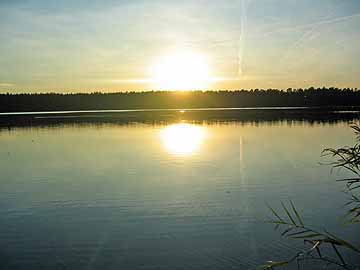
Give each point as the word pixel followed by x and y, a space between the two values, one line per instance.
pixel 181 71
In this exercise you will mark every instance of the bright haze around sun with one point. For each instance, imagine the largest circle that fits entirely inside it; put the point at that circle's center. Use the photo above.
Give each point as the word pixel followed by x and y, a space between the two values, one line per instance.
pixel 181 71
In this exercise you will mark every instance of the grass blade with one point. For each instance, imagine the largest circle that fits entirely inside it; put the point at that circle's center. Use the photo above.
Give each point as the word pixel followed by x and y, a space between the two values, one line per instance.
pixel 288 214
pixel 275 214
pixel 296 213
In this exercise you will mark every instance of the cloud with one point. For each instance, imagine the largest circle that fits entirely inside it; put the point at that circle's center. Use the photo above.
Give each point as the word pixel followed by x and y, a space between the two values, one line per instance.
pixel 127 81
pixel 6 84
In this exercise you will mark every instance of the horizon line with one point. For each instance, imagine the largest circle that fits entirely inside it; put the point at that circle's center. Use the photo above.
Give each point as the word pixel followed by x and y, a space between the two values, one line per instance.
pixel 66 92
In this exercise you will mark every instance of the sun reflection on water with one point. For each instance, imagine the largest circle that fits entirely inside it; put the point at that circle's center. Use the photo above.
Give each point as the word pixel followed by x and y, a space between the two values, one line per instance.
pixel 182 139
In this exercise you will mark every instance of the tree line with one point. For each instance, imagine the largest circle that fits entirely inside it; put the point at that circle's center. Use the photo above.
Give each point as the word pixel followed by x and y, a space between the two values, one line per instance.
pixel 310 97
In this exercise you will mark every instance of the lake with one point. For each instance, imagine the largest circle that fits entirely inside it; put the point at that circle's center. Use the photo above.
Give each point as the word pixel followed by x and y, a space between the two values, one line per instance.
pixel 177 194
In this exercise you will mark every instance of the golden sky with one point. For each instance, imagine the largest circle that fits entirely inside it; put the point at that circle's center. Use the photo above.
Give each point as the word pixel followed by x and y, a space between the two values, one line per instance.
pixel 84 46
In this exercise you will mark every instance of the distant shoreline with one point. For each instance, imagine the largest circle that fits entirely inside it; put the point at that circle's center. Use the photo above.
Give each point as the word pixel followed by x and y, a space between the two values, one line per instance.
pixel 342 108
pixel 191 100
pixel 338 109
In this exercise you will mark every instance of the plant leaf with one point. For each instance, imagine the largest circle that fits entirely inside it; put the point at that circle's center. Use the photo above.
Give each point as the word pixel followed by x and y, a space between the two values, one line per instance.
pixel 271 264
pixel 275 214
pixel 296 213
pixel 288 214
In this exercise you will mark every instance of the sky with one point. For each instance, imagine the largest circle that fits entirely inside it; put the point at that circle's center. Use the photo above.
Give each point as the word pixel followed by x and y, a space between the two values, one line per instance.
pixel 112 45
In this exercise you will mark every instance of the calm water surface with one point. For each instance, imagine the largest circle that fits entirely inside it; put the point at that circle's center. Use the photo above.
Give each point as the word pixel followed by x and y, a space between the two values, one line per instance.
pixel 170 196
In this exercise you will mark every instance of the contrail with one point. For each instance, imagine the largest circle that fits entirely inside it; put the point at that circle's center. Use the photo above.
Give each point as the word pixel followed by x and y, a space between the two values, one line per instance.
pixel 308 34
pixel 243 18
pixel 315 24
pixel 313 31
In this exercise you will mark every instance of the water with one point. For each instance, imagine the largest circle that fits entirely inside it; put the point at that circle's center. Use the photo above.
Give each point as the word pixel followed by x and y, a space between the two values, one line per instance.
pixel 162 196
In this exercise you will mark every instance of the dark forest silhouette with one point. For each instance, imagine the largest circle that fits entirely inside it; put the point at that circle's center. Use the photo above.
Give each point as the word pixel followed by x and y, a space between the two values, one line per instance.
pixel 311 97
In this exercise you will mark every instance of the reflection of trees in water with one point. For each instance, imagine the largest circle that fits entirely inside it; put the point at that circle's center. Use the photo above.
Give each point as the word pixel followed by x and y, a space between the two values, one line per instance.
pixel 309 116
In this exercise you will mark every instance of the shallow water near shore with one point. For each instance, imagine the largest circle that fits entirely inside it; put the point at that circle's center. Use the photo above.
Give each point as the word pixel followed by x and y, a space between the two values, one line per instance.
pixel 169 195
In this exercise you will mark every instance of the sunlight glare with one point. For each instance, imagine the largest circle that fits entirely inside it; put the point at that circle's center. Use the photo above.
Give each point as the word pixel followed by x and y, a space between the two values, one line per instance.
pixel 181 71
pixel 182 139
